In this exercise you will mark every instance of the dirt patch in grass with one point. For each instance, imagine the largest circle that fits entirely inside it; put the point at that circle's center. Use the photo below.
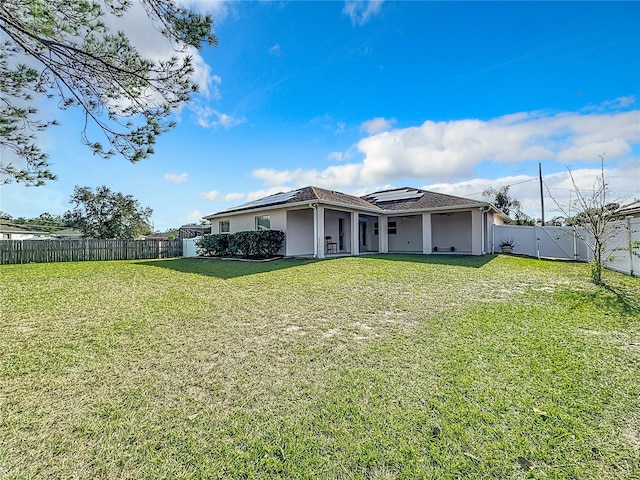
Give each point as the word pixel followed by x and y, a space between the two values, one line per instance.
pixel 631 431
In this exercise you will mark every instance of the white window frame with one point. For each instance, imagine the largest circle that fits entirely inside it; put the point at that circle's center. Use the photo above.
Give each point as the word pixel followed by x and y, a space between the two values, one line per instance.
pixel 262 227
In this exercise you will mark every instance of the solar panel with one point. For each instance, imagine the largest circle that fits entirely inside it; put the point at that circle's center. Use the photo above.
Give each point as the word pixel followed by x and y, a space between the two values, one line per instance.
pixel 393 195
pixel 270 200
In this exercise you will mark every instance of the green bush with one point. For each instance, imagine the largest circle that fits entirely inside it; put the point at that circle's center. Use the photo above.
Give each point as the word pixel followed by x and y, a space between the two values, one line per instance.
pixel 248 244
pixel 213 245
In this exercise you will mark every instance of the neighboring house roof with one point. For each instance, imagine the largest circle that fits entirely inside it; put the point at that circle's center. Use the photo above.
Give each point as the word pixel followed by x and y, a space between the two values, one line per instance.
pixel 7 226
pixel 191 231
pixel 415 199
pixel 68 233
pixel 398 199
pixel 633 209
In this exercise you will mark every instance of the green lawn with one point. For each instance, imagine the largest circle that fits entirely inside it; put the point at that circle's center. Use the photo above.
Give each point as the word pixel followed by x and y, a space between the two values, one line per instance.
pixel 387 367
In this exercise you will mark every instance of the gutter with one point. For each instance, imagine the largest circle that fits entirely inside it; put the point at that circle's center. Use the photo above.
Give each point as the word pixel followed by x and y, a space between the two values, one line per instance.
pixel 346 207
pixel 280 206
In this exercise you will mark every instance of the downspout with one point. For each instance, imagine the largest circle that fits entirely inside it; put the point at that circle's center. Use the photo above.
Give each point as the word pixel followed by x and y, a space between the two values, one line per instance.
pixel 493 238
pixel 483 219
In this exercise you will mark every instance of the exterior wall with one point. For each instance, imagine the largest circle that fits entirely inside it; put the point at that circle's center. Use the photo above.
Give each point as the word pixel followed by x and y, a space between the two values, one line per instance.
pixel 470 231
pixel 453 230
pixel 24 236
pixel 409 234
pixel 247 222
pixel 300 232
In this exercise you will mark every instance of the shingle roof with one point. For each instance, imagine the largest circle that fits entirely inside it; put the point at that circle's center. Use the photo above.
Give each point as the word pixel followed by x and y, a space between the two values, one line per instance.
pixel 416 199
pixel 333 196
pixel 306 194
pixel 8 226
pixel 632 208
pixel 395 199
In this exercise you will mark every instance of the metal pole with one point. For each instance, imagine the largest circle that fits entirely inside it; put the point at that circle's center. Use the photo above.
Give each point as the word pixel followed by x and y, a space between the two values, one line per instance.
pixel 630 245
pixel 541 195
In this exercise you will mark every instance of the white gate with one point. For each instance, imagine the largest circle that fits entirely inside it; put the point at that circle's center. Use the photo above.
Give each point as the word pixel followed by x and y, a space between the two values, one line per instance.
pixel 622 251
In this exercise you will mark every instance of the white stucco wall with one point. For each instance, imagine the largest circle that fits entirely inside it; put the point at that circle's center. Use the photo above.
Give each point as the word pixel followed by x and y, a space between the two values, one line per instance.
pixel 247 221
pixel 452 230
pixel 409 234
pixel 299 232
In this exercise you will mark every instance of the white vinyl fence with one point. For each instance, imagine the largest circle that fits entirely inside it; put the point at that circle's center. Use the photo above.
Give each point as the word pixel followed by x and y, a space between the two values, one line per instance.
pixel 189 248
pixel 622 251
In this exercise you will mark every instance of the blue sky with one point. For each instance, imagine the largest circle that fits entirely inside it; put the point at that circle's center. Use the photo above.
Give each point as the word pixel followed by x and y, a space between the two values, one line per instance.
pixel 358 96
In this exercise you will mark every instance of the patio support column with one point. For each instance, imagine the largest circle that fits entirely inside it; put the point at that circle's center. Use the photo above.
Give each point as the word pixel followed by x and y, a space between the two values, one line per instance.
pixel 426 233
pixel 320 242
pixel 383 234
pixel 355 233
pixel 476 231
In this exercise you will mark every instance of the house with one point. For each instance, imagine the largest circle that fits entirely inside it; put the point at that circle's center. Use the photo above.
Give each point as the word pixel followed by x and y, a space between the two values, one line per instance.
pixel 191 231
pixel 630 210
pixel 68 233
pixel 320 222
pixel 15 231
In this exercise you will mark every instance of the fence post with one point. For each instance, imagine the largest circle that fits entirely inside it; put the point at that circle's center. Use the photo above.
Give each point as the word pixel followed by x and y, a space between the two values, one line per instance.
pixel 630 245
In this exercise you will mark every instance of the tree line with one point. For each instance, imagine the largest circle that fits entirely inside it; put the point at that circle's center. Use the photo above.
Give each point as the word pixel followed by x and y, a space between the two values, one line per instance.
pixel 102 214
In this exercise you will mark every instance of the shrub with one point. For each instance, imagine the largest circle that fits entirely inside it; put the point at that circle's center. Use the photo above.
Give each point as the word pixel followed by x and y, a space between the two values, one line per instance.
pixel 214 245
pixel 248 244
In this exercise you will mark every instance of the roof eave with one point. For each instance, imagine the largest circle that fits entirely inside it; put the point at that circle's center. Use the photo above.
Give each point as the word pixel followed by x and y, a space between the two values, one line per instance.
pixel 437 209
pixel 292 205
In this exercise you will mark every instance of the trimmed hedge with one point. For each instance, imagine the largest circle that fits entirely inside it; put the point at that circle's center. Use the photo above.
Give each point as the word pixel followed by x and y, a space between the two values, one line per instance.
pixel 249 244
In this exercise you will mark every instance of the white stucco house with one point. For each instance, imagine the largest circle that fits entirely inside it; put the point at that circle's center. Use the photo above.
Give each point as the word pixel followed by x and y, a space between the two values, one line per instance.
pixel 14 231
pixel 321 223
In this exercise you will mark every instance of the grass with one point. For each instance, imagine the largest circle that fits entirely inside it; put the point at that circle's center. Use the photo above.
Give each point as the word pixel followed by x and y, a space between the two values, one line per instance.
pixel 386 367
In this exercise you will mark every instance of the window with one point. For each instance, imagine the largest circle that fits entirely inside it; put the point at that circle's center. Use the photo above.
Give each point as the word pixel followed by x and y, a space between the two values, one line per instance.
pixel 263 222
pixel 375 228
pixel 393 228
pixel 224 226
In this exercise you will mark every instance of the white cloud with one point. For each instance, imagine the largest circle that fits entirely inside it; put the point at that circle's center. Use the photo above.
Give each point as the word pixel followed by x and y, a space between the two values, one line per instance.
pixel 444 151
pixel 377 125
pixel 360 12
pixel 337 156
pixel 150 43
pixel 195 215
pixel 210 117
pixel 219 9
pixel 332 177
pixel 620 103
pixel 213 90
pixel 256 194
pixel 176 178
pixel 215 195
pixel 275 50
pixel 558 190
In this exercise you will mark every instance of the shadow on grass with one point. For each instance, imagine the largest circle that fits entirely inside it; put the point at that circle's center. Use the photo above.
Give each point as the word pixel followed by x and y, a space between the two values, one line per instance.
pixel 471 261
pixel 621 302
pixel 627 300
pixel 226 269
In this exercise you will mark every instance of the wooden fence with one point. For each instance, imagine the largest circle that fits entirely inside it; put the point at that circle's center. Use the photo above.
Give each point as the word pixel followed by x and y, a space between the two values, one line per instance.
pixel 43 251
